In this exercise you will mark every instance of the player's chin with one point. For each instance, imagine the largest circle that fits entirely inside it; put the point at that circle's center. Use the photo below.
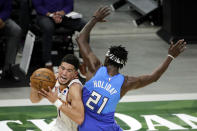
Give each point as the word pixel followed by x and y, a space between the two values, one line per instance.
pixel 62 81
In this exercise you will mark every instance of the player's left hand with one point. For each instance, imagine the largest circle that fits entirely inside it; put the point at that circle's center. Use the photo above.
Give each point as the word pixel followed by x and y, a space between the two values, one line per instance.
pixel 178 48
pixel 101 13
pixel 51 96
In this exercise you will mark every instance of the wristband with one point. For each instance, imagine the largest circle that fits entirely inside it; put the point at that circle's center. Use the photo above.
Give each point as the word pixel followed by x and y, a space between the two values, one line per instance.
pixel 171 56
pixel 58 103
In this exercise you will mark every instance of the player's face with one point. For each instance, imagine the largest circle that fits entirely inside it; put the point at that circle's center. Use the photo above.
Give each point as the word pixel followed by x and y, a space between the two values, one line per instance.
pixel 66 73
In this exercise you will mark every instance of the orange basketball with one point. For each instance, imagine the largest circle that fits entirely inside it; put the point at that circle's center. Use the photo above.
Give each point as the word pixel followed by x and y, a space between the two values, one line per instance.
pixel 43 78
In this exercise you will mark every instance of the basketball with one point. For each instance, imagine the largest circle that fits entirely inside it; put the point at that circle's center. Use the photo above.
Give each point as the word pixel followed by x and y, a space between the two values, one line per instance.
pixel 42 78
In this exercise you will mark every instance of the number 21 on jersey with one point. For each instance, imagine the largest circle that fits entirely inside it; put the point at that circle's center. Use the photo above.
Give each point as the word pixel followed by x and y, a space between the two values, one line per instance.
pixel 95 98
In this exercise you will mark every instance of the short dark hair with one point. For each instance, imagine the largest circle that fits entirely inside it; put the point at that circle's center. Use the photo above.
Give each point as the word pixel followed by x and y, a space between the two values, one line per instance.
pixel 118 52
pixel 71 59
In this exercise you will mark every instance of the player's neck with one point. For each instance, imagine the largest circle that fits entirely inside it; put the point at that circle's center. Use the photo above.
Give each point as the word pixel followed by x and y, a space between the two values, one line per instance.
pixel 112 70
pixel 62 87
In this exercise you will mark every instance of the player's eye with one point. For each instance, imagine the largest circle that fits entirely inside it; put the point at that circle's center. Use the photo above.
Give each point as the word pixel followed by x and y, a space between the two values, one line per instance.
pixel 69 70
pixel 62 68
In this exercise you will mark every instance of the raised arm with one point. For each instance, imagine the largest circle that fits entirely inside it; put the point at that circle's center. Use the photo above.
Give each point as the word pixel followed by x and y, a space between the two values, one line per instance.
pixel 89 57
pixel 141 81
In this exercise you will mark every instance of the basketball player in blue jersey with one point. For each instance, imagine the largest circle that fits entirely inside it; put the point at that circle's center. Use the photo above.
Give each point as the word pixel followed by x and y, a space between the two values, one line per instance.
pixel 105 85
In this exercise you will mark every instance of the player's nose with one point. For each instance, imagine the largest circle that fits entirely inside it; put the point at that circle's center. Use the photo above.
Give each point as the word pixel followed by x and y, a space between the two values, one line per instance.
pixel 64 72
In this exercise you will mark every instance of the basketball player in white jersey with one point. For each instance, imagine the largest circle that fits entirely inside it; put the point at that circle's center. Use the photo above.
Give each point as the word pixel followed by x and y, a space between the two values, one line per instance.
pixel 66 96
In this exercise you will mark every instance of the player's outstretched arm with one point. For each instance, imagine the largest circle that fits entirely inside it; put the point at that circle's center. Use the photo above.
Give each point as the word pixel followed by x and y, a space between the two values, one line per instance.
pixel 141 81
pixel 82 39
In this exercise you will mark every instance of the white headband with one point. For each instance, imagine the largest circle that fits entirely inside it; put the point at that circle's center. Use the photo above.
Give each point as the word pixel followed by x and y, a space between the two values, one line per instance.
pixel 114 58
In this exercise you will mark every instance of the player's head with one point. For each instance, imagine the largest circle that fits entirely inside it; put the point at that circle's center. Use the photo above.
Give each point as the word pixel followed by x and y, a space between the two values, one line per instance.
pixel 116 56
pixel 68 69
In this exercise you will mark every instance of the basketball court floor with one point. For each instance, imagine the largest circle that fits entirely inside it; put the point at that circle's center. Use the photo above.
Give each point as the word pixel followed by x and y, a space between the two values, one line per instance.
pixel 168 104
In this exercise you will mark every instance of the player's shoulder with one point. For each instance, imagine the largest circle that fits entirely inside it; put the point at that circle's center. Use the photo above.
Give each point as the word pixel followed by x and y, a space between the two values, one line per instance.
pixel 75 88
pixel 75 83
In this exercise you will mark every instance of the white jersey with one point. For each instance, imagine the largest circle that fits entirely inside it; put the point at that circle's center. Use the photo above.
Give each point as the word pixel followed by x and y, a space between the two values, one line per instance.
pixel 63 122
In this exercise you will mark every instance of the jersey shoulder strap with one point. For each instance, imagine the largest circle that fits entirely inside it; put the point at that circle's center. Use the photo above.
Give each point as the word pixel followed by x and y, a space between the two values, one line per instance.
pixel 75 81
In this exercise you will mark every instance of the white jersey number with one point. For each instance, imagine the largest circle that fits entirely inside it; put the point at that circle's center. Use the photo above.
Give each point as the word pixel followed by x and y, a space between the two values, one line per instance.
pixel 95 97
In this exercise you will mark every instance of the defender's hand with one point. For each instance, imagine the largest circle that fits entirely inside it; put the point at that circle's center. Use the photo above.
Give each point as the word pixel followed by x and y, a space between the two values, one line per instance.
pixel 176 49
pixel 101 13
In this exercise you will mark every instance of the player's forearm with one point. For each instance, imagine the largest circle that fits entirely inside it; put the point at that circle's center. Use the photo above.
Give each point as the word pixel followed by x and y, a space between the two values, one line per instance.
pixel 76 115
pixel 83 38
pixel 161 69
pixel 145 80
pixel 173 52
pixel 85 32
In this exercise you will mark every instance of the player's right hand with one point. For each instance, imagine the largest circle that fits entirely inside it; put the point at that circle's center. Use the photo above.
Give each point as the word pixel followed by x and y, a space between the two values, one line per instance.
pixel 178 48
pixel 33 88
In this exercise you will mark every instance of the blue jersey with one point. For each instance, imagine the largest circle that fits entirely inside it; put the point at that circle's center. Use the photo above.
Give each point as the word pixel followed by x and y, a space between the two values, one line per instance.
pixel 101 95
